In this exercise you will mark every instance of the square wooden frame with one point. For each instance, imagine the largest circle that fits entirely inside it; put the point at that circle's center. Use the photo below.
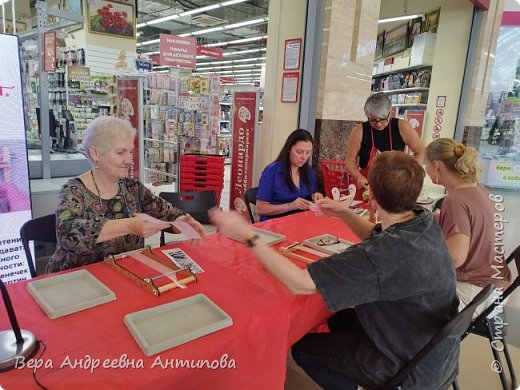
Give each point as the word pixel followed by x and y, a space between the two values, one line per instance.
pixel 380 44
pixel 396 40
pixel 101 12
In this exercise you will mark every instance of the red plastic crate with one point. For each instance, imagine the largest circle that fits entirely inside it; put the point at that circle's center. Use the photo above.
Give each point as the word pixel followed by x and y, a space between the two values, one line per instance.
pixel 200 172
pixel 335 175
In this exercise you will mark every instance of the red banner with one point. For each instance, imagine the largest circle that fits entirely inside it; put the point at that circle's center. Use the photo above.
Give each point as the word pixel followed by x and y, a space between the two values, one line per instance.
pixel 49 48
pixel 128 108
pixel 244 124
pixel 227 80
pixel 177 51
pixel 216 52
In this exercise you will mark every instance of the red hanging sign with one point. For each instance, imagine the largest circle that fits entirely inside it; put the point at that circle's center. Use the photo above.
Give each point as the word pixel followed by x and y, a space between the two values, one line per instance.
pixel 216 52
pixel 244 124
pixel 177 51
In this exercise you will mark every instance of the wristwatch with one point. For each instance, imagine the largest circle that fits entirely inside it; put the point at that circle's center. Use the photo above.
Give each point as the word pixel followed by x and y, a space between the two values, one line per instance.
pixel 251 241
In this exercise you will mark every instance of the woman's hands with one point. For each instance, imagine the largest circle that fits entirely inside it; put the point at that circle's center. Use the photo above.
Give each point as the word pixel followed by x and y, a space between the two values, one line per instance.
pixel 331 208
pixel 300 204
pixel 231 224
pixel 362 183
pixel 145 225
pixel 316 196
pixel 196 225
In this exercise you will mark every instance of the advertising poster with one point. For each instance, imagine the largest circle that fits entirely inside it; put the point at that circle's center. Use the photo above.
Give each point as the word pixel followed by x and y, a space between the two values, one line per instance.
pixel 177 51
pixel 244 127
pixel 501 174
pixel 416 120
pixel 15 201
pixel 128 108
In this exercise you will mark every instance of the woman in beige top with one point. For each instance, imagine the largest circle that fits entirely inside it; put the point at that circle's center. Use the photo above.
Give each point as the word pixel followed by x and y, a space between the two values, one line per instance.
pixel 467 219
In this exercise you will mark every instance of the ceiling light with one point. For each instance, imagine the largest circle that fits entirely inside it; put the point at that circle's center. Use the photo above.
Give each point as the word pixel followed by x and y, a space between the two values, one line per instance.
pixel 217 44
pixel 232 53
pixel 226 27
pixel 145 43
pixel 245 23
pixel 230 66
pixel 190 12
pixel 231 2
pixel 400 18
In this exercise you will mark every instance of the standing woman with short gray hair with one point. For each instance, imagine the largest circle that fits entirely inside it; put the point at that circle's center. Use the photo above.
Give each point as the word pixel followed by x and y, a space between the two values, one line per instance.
pixel 102 211
pixel 380 133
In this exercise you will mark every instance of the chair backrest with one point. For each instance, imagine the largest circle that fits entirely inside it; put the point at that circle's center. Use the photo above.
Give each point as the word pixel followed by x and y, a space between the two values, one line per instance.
pixel 515 255
pixel 197 204
pixel 250 198
pixel 453 329
pixel 42 229
pixel 438 204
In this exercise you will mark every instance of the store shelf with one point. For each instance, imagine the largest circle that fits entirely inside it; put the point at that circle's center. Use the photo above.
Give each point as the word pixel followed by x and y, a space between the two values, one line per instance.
pixel 421 105
pixel 225 103
pixel 401 70
pixel 225 135
pixel 413 89
pixel 160 141
pixel 223 121
pixel 161 172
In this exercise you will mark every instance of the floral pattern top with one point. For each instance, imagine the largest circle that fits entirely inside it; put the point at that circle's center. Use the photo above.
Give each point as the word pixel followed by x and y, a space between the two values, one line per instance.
pixel 81 215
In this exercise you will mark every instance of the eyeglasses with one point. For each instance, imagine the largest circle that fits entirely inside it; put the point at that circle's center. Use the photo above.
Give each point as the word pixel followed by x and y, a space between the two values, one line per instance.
pixel 328 241
pixel 377 120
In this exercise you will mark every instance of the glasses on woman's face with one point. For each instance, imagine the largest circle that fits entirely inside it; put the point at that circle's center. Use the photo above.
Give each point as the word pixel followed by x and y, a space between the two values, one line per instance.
pixel 376 121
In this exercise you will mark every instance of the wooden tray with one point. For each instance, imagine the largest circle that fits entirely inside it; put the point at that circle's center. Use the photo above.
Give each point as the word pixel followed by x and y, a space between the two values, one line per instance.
pixel 166 326
pixel 68 293
pixel 329 244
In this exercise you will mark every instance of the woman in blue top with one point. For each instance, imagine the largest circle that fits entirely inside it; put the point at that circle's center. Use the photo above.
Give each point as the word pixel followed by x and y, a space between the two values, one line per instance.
pixel 288 184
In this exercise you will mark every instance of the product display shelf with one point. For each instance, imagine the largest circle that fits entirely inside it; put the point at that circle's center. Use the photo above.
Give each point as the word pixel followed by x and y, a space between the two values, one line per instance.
pixel 161 147
pixel 225 126
pixel 408 87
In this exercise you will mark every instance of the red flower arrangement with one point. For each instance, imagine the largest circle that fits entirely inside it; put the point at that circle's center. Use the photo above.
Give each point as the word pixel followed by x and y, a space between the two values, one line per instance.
pixel 107 20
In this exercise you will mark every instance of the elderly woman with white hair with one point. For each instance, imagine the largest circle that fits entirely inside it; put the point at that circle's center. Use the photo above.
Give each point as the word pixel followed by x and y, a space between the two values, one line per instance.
pixel 380 133
pixel 103 211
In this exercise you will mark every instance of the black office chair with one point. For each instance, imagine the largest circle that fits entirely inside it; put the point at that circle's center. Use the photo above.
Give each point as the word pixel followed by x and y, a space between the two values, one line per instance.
pixel 42 229
pixel 250 198
pixel 494 328
pixel 453 329
pixel 438 204
pixel 197 204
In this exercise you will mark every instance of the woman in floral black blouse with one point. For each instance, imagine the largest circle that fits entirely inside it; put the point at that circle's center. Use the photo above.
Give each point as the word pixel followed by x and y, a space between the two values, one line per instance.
pixel 102 211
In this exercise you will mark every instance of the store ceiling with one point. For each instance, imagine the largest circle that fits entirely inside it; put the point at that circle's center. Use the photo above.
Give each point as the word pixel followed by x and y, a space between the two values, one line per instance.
pixel 242 59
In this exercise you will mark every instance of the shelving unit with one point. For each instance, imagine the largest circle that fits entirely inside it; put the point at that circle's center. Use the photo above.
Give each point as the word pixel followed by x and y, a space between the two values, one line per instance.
pixel 225 126
pixel 160 140
pixel 408 87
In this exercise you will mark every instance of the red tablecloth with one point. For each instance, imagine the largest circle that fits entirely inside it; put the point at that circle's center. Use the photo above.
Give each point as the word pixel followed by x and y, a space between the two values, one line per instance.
pixel 267 320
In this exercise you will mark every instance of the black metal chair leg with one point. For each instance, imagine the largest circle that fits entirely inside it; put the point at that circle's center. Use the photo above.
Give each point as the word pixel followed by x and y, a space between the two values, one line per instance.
pixel 510 366
pixel 455 385
pixel 496 355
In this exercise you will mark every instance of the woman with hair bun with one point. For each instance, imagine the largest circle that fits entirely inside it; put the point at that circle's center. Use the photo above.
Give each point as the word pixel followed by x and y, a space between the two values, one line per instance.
pixel 466 219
